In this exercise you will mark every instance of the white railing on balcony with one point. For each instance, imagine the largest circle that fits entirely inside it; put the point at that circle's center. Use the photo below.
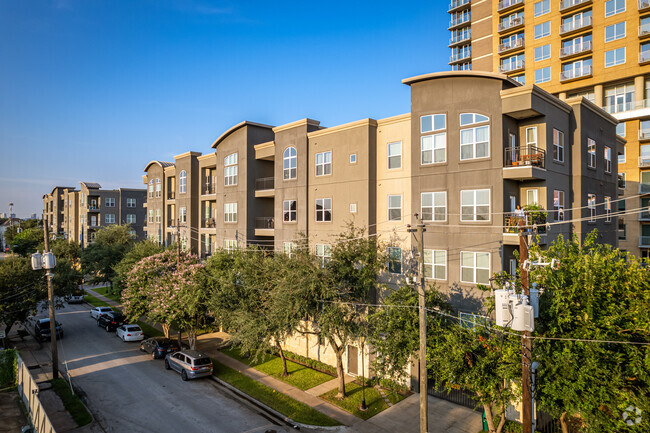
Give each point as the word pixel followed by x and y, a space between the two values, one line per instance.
pixel 513 22
pixel 504 4
pixel 511 66
pixel 511 44
pixel 459 20
pixel 566 4
pixel 644 29
pixel 628 106
pixel 644 160
pixel 462 37
pixel 644 56
pixel 463 55
pixel 575 25
pixel 457 3
pixel 572 49
pixel 575 73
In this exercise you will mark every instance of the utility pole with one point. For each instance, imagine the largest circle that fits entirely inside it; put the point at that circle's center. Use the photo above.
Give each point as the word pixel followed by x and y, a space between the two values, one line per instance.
pixel 50 297
pixel 424 418
pixel 526 343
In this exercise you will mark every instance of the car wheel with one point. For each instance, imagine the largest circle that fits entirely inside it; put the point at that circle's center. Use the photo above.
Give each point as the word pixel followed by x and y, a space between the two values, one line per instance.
pixel 167 367
pixel 142 348
pixel 183 375
pixel 153 355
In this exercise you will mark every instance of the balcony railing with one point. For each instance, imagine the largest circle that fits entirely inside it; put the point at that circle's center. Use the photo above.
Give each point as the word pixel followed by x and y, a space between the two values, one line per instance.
pixel 264 183
pixel 456 4
pixel 458 38
pixel 513 22
pixel 644 30
pixel 573 49
pixel 644 188
pixel 568 4
pixel 645 215
pixel 459 20
pixel 511 45
pixel 575 25
pixel 209 188
pixel 511 66
pixel 511 222
pixel 207 223
pixel 171 195
pixel 644 161
pixel 463 55
pixel 644 241
pixel 571 74
pixel 644 134
pixel 644 4
pixel 521 156
pixel 506 4
pixel 644 56
pixel 264 223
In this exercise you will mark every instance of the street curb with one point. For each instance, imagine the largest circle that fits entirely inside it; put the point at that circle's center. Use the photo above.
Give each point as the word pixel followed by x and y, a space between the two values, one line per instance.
pixel 288 421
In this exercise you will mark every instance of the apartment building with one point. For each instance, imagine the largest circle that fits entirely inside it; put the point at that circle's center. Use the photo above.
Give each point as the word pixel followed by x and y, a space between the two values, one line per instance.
pixel 76 215
pixel 599 50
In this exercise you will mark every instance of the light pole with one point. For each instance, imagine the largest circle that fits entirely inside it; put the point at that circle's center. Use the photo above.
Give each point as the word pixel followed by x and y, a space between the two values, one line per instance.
pixel 363 376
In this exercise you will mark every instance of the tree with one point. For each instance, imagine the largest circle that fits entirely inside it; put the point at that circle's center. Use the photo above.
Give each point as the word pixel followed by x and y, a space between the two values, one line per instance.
pixel 21 289
pixel 11 232
pixel 139 251
pixel 26 242
pixel 110 245
pixel 598 293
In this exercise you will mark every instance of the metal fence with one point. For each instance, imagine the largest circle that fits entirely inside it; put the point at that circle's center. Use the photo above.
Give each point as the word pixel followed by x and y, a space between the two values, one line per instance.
pixel 28 390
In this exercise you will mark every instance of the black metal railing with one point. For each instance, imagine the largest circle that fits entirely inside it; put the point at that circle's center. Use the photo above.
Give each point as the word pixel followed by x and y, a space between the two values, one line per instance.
pixel 264 223
pixel 524 156
pixel 536 218
pixel 207 223
pixel 264 183
pixel 209 187
pixel 171 195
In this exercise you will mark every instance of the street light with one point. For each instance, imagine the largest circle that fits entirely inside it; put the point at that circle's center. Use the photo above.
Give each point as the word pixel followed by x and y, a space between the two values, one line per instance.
pixel 363 378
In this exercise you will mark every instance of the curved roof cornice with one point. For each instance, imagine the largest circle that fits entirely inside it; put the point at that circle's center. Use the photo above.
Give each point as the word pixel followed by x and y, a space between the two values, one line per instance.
pixel 451 74
pixel 162 164
pixel 235 128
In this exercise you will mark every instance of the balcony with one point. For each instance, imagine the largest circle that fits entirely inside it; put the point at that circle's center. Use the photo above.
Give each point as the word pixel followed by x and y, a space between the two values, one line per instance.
pixel 458 21
pixel 171 195
pixel 457 4
pixel 509 67
pixel 569 5
pixel 506 5
pixel 264 226
pixel 644 134
pixel 460 38
pixel 575 49
pixel 575 25
pixel 644 5
pixel 576 73
pixel 644 57
pixel 209 188
pixel 644 161
pixel 264 187
pixel 511 45
pixel 512 222
pixel 645 215
pixel 644 241
pixel 461 56
pixel 512 24
pixel 644 30
pixel 207 223
pixel 644 188
pixel 524 163
pixel 92 208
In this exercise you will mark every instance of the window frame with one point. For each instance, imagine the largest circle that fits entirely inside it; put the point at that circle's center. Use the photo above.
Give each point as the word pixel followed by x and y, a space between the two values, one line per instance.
pixel 109 218
pixel 543 56
pixel 397 156
pixel 432 264
pixel 591 207
pixel 616 61
pixel 291 172
pixel 474 205
pixel 230 212
pixel 542 11
pixel 391 208
pixel 475 143
pixel 616 35
pixel 591 153
pixel 607 155
pixel 182 214
pixel 558 147
pixel 614 11
pixel 287 210
pixel 182 182
pixel 433 122
pixel 324 164
pixel 545 30
pixel 391 261
pixel 231 169
pixel 324 255
pixel 433 205
pixel 323 210
pixel 558 204
pixel 433 148
pixel 607 204
pixel 475 267
pixel 131 202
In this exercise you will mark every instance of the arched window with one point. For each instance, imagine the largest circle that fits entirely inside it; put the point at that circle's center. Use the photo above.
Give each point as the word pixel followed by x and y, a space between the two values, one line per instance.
pixel 183 182
pixel 290 159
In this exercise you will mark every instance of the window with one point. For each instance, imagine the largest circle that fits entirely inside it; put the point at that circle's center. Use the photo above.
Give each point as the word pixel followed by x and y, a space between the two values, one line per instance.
pixel 290 162
pixel 608 209
pixel 109 218
pixel 542 75
pixel 158 188
pixel 324 163
pixel 151 216
pixel 622 229
pixel 475 142
pixel 615 57
pixel 475 267
pixel 472 118
pixel 588 94
pixel 543 29
pixel 434 206
pixel 230 245
pixel 150 190
pixel 435 264
pixel 475 205
pixel 521 79
pixel 613 7
pixel 288 248
pixel 531 136
pixel 591 204
pixel 130 202
pixel 323 254
pixel 542 7
pixel 158 218
pixel 433 122
pixel 109 202
pixel 558 205
pixel 394 208
pixel 182 215
pixel 433 148
pixel 323 209
pixel 395 155
pixel 531 197
pixel 608 159
pixel 182 182
pixel 353 158
pixel 558 145
pixel 394 260
pixel 619 98
pixel 615 31
pixel 289 211
pixel 591 153
pixel 353 208
pixel 130 218
pixel 621 181
pixel 620 131
pixel 230 170
pixel 230 212
pixel 543 52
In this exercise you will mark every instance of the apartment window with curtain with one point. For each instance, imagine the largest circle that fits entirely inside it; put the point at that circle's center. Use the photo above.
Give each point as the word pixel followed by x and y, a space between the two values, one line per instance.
pixel 230 212
pixel 324 163
pixel 608 209
pixel 230 169
pixel 158 217
pixel 474 141
pixel 558 205
pixel 475 205
pixel 230 245
pixel 608 159
pixel 433 206
pixel 182 185
pixel 394 260
pixel 591 153
pixel 158 187
pixel 619 98
pixel 395 155
pixel 394 208
pixel 591 205
pixel 182 215
pixel 435 264
pixel 130 218
pixel 290 163
pixel 289 211
pixel 475 267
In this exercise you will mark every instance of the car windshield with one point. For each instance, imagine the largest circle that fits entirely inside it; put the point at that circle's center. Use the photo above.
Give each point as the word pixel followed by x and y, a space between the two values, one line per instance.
pixel 166 342
pixel 118 318
pixel 202 361
pixel 133 328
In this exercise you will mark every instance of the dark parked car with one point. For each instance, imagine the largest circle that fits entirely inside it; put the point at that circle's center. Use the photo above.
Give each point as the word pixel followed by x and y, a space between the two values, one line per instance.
pixel 42 330
pixel 111 321
pixel 159 346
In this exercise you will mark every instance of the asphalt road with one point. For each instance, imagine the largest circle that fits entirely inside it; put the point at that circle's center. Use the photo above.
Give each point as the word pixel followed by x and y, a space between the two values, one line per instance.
pixel 127 391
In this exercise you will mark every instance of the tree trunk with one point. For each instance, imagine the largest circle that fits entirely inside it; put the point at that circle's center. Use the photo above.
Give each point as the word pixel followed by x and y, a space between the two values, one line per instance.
pixel 563 423
pixel 285 372
pixel 191 338
pixel 502 421
pixel 488 417
pixel 339 372
pixel 165 329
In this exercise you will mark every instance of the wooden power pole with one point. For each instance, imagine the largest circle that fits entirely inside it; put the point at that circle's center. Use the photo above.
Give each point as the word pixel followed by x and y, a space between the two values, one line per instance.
pixel 526 344
pixel 50 298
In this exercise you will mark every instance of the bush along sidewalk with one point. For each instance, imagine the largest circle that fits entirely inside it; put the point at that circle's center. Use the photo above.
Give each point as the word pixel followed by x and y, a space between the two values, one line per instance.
pixel 71 402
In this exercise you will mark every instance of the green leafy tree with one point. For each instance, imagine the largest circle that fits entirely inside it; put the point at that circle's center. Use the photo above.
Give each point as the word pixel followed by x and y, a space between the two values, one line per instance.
pixel 27 242
pixel 139 251
pixel 598 293
pixel 21 289
pixel 11 232
pixel 109 248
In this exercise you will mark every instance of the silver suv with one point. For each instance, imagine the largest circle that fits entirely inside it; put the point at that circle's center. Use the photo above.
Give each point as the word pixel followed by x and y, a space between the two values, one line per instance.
pixel 191 364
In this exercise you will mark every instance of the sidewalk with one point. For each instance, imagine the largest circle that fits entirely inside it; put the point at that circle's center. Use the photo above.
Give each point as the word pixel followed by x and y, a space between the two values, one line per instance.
pixel 444 417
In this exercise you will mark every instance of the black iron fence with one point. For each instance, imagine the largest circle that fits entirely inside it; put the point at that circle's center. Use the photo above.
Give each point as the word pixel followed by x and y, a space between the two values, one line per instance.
pixel 525 156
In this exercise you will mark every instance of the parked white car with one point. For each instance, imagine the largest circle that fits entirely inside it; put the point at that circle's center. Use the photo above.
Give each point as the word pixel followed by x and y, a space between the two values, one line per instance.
pixel 130 333
pixel 95 312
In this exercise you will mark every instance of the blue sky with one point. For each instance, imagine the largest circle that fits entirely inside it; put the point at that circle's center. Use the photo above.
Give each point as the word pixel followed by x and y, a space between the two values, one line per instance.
pixel 92 90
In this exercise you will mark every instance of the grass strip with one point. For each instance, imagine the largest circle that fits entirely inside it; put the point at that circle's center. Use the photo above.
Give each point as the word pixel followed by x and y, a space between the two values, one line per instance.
pixel 149 331
pixel 352 402
pixel 299 376
pixel 286 405
pixel 104 292
pixel 72 404
pixel 95 302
